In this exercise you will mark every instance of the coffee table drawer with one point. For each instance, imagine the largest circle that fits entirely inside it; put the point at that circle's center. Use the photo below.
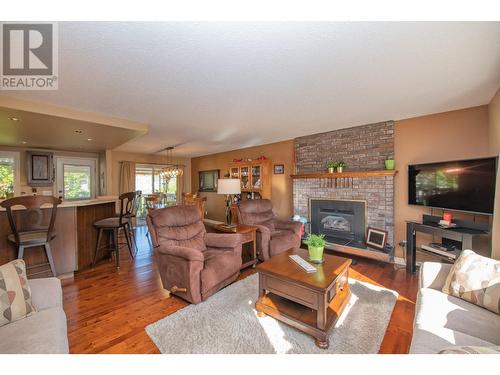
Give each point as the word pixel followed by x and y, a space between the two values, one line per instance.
pixel 291 291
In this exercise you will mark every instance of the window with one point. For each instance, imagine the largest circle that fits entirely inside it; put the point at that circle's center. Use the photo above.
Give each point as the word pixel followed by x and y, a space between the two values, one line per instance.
pixel 76 178
pixel 9 174
pixel 148 181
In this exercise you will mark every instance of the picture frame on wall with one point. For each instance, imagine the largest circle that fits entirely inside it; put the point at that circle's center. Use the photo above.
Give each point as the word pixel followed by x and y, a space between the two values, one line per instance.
pixel 279 168
pixel 208 180
pixel 376 238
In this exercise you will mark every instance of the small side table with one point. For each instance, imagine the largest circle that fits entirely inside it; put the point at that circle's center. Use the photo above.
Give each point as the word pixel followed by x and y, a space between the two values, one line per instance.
pixel 249 235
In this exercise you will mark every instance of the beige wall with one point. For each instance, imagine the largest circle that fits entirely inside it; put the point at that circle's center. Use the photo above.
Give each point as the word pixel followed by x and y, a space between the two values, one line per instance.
pixel 118 156
pixel 494 127
pixel 451 135
pixel 281 195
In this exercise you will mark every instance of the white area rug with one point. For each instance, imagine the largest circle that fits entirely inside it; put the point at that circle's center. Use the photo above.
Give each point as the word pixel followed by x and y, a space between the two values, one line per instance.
pixel 227 323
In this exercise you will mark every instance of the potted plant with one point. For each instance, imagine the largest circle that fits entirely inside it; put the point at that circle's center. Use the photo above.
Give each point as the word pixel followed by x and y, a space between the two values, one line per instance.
pixel 315 244
pixel 340 166
pixel 331 165
pixel 390 164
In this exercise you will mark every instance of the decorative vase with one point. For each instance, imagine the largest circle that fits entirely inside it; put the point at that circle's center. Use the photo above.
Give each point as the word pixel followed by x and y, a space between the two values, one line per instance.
pixel 340 169
pixel 331 170
pixel 390 164
pixel 316 253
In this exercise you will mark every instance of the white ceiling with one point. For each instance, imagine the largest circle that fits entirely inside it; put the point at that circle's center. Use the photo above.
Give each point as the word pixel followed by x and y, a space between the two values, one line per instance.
pixel 212 87
pixel 33 129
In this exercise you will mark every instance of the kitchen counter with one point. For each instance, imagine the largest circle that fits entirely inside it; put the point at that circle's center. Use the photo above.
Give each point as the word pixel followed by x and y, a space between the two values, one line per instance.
pixel 77 203
pixel 74 245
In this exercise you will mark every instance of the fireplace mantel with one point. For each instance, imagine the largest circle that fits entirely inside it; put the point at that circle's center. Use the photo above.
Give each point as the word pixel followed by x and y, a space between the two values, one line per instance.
pixel 348 174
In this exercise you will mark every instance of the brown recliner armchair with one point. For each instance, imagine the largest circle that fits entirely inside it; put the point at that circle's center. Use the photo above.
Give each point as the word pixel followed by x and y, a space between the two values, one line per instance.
pixel 274 236
pixel 193 264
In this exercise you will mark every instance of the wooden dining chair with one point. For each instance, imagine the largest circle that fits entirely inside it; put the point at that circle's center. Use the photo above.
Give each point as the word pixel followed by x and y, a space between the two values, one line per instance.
pixel 152 201
pixel 195 200
pixel 29 226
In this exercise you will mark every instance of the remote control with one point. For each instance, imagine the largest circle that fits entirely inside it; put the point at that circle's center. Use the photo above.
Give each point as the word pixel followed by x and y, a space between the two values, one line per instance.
pixel 309 268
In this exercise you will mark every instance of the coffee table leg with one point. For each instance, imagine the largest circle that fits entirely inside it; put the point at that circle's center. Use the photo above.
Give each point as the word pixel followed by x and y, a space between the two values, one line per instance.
pixel 254 237
pixel 321 312
pixel 262 293
pixel 322 343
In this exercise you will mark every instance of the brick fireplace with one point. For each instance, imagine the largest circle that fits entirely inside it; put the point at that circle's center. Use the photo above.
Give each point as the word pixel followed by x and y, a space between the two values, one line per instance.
pixel 362 148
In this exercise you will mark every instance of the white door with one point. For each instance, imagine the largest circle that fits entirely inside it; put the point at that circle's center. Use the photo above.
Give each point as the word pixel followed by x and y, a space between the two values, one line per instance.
pixel 76 178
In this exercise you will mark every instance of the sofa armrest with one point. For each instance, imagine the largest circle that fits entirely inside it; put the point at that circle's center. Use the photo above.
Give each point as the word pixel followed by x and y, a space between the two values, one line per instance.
pixel 433 275
pixel 293 226
pixel 186 253
pixel 46 293
pixel 222 240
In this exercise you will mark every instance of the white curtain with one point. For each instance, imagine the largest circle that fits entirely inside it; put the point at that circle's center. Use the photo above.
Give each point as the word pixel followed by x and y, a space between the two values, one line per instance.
pixel 127 177
pixel 180 186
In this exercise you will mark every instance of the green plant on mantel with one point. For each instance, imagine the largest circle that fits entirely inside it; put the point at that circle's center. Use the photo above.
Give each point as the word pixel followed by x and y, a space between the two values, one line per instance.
pixel 331 164
pixel 340 166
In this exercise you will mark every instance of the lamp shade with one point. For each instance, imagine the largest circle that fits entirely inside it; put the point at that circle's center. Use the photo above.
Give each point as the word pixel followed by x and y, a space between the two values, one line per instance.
pixel 228 186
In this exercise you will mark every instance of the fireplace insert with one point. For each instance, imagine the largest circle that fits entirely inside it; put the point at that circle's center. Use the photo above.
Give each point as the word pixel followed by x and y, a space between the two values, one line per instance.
pixel 341 221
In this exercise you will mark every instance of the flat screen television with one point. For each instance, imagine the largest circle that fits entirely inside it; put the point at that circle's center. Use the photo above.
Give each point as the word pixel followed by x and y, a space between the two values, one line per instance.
pixel 463 185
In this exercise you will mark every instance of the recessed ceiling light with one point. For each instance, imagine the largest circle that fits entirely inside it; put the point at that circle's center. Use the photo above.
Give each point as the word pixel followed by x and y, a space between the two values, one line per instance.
pixel 89 139
pixel 23 142
pixel 78 131
pixel 14 118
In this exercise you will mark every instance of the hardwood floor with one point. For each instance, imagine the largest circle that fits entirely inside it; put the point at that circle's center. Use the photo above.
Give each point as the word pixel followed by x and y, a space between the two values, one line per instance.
pixel 107 310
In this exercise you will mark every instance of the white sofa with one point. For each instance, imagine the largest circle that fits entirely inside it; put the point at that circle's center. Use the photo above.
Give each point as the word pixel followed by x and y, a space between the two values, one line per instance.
pixel 442 320
pixel 45 331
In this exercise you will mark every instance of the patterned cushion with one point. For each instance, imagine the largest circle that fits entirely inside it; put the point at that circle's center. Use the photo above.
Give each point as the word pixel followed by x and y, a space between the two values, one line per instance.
pixel 15 293
pixel 471 350
pixel 475 279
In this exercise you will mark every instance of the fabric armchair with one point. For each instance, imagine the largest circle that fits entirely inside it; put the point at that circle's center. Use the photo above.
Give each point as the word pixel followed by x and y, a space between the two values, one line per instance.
pixel 274 236
pixel 186 253
pixel 222 240
pixel 292 226
pixel 192 263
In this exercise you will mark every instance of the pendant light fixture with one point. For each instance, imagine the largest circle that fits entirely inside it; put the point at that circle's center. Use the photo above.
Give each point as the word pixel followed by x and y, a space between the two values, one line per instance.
pixel 170 169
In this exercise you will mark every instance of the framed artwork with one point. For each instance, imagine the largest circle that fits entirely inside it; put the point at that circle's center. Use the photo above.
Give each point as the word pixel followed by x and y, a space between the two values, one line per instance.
pixel 208 180
pixel 40 168
pixel 376 238
pixel 279 168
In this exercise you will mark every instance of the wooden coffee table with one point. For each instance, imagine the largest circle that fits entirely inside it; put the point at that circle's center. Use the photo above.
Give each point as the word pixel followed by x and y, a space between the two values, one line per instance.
pixel 309 302
pixel 248 235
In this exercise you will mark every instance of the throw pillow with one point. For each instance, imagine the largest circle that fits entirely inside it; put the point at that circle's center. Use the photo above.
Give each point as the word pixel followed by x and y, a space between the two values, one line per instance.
pixel 15 293
pixel 471 350
pixel 475 279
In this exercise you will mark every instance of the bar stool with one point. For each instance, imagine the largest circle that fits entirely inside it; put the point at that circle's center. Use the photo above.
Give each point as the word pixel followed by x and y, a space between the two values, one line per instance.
pixel 28 228
pixel 132 217
pixel 114 224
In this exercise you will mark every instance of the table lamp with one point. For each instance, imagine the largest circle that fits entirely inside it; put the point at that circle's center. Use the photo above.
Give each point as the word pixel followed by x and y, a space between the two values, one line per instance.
pixel 228 186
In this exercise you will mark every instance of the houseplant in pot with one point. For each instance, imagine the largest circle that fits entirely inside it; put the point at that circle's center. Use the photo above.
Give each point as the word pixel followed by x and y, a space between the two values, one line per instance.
pixel 340 166
pixel 390 164
pixel 331 165
pixel 316 245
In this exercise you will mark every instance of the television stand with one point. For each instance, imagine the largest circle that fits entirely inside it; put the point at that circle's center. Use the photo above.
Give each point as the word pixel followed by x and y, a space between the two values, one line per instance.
pixel 466 232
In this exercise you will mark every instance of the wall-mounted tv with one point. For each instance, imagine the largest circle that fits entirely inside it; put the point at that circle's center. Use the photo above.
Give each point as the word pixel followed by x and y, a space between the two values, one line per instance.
pixel 464 185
